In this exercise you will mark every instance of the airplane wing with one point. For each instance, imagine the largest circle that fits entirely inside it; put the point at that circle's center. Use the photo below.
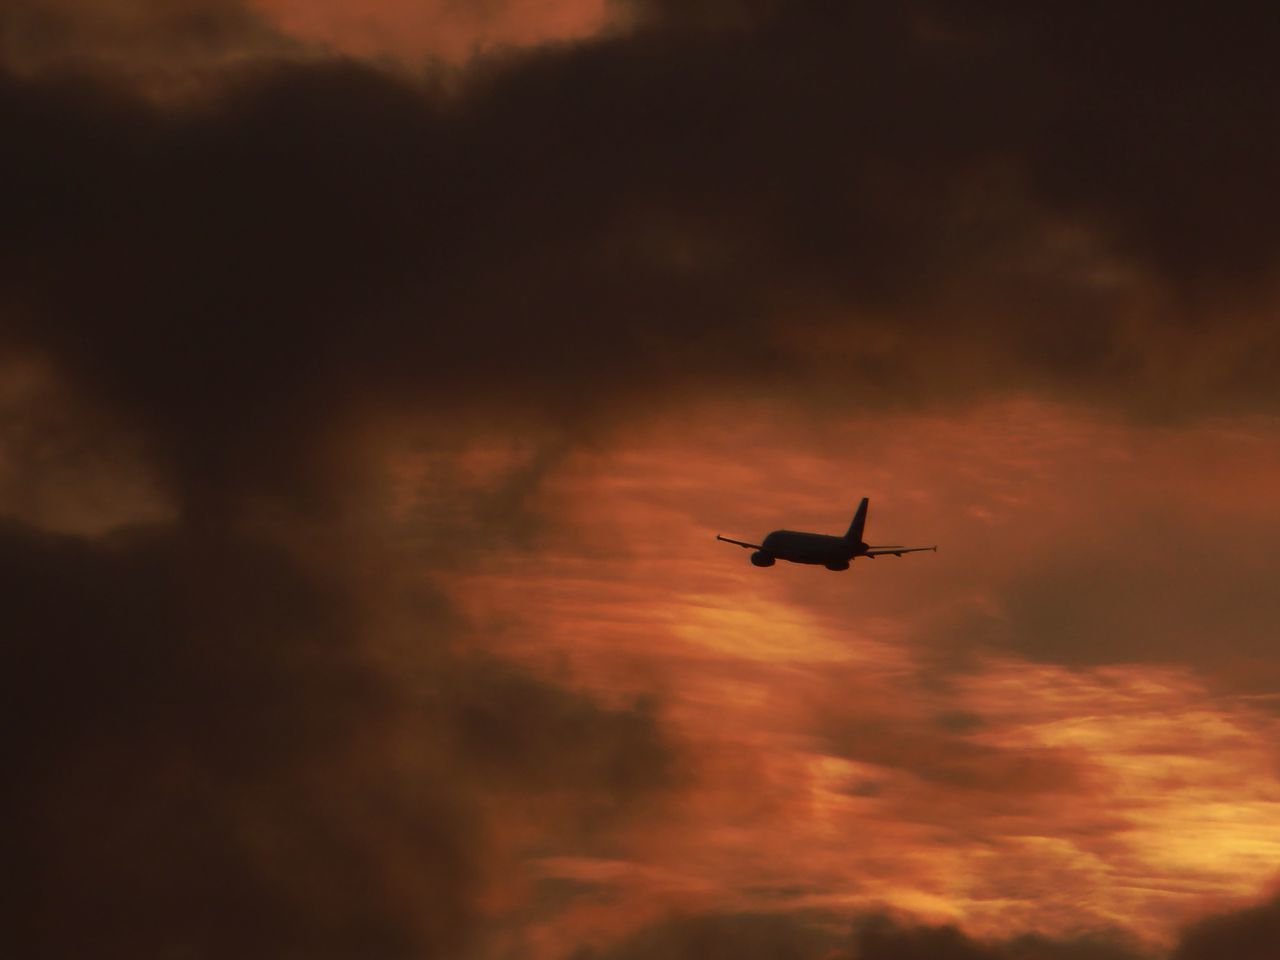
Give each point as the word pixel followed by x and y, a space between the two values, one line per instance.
pixel 741 543
pixel 896 551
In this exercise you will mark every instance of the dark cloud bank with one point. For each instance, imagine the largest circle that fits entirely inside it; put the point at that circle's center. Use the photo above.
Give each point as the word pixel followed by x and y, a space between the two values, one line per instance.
pixel 1247 935
pixel 205 760
pixel 207 757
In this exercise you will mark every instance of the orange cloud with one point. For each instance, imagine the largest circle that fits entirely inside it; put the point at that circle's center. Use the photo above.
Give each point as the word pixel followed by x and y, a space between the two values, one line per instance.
pixel 850 743
pixel 412 30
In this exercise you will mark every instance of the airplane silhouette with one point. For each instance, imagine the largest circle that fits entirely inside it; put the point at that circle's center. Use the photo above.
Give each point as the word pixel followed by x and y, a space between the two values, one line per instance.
pixel 834 553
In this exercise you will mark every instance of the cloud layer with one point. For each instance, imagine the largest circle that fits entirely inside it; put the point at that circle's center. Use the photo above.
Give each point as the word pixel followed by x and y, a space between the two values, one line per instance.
pixel 304 355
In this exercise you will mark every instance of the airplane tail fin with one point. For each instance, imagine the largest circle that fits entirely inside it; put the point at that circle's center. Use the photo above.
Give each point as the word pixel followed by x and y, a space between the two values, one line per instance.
pixel 859 521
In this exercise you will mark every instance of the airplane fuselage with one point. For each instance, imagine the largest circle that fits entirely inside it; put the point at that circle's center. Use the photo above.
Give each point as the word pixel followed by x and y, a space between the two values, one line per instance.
pixel 816 548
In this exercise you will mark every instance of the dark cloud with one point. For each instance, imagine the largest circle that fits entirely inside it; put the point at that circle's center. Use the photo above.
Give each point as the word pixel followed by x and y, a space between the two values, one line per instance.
pixel 721 937
pixel 206 758
pixel 67 466
pixel 880 937
pixel 1162 132
pixel 684 205
pixel 1246 934
pixel 186 714
pixel 159 48
pixel 1249 934
pixel 874 937
pixel 210 756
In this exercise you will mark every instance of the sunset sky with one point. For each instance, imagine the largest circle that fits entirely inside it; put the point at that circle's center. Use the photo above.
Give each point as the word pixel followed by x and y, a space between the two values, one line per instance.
pixel 375 378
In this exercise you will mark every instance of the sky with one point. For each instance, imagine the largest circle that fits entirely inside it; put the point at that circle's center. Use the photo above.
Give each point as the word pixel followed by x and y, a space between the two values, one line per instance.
pixel 374 381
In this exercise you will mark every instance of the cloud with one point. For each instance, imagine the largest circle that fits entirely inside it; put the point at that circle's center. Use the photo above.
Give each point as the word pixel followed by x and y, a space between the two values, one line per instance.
pixel 1064 611
pixel 1247 934
pixel 1250 933
pixel 839 203
pixel 208 756
pixel 231 734
pixel 436 30
pixel 838 759
pixel 879 937
pixel 155 47
pixel 874 937
pixel 720 936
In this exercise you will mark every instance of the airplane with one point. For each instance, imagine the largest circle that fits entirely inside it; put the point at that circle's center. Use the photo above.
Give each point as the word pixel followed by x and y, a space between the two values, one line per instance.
pixel 834 553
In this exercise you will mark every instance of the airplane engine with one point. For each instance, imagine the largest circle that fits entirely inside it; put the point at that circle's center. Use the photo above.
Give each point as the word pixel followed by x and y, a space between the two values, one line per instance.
pixel 838 566
pixel 762 559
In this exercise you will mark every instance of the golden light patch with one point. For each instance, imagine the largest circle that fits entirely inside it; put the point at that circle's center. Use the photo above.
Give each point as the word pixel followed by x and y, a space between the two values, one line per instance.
pixel 752 628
